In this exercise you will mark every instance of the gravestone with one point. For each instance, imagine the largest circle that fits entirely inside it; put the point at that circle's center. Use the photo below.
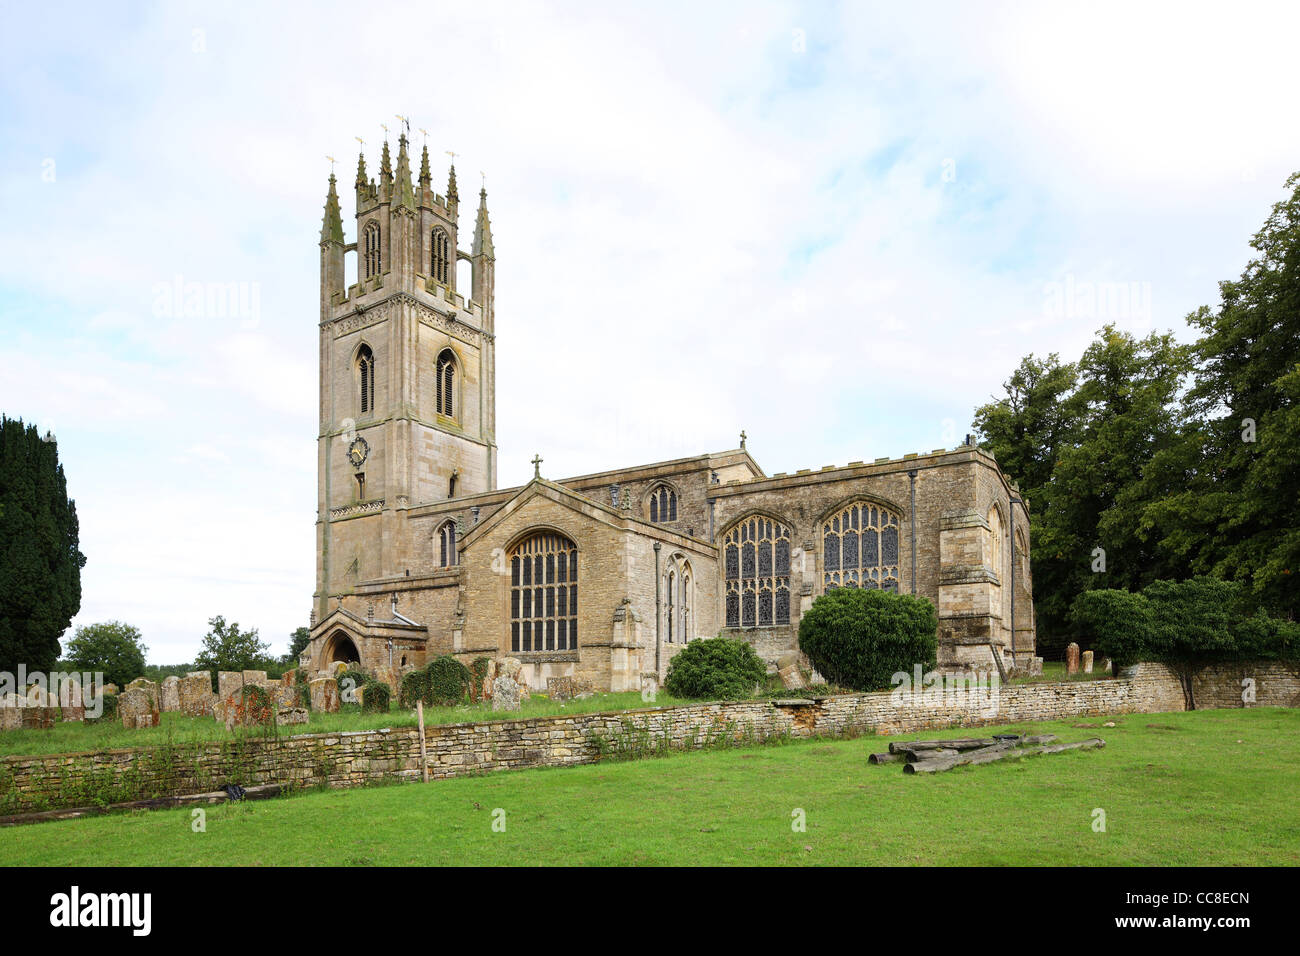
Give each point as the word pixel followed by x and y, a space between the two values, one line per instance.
pixel 11 706
pixel 325 695
pixel 505 693
pixel 1072 658
pixel 1087 662
pixel 171 694
pixel 38 718
pixel 111 689
pixel 787 668
pixel 559 688
pixel 291 715
pixel 37 696
pixel 194 694
pixel 228 683
pixel 71 701
pixel 150 688
pixel 137 708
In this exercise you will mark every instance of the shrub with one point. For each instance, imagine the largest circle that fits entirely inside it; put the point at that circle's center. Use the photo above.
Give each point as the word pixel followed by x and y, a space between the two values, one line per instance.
pixel 110 709
pixel 860 637
pixel 377 698
pixel 717 668
pixel 478 671
pixel 448 682
pixel 1115 623
pixel 414 687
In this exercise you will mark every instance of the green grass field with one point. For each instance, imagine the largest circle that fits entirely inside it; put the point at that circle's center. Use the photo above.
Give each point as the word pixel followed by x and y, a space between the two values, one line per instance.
pixel 77 737
pixel 1200 788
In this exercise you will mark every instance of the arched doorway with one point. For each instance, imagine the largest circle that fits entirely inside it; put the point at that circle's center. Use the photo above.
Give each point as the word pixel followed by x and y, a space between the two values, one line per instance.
pixel 340 647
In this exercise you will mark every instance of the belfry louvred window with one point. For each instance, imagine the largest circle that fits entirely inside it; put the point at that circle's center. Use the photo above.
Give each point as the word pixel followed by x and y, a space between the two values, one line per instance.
pixel 366 374
pixel 370 246
pixel 440 260
pixel 756 563
pixel 446 383
pixel 860 548
pixel 544 594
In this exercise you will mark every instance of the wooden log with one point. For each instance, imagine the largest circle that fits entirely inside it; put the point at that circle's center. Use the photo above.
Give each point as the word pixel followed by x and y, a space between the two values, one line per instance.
pixel 992 754
pixel 969 743
pixel 884 758
pixel 1039 739
pixel 912 756
pixel 1089 744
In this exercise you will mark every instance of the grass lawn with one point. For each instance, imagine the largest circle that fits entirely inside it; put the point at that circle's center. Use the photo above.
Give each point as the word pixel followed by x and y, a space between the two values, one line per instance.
pixel 1200 788
pixel 77 737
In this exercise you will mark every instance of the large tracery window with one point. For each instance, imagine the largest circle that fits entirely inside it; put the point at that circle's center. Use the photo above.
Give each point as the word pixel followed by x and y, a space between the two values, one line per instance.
pixel 544 594
pixel 860 548
pixel 446 383
pixel 663 504
pixel 366 373
pixel 757 560
pixel 439 259
pixel 370 243
pixel 447 545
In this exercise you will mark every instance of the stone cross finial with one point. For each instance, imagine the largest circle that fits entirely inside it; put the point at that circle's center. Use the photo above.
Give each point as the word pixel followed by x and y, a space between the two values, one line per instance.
pixel 537 465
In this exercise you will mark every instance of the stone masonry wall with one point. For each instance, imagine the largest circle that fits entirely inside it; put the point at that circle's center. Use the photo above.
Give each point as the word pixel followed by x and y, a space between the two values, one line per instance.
pixel 351 759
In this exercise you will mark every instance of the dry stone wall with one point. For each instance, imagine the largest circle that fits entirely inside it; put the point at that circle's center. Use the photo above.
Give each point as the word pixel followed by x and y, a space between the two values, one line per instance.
pixel 353 759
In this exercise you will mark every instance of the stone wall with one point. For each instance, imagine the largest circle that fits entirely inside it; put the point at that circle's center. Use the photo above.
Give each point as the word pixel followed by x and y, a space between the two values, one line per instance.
pixel 352 759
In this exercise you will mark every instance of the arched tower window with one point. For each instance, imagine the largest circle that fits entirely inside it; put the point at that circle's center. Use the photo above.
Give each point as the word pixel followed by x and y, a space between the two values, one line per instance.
pixel 366 375
pixel 860 548
pixel 995 542
pixel 663 504
pixel 446 383
pixel 544 593
pixel 439 258
pixel 756 557
pixel 447 544
pixel 370 246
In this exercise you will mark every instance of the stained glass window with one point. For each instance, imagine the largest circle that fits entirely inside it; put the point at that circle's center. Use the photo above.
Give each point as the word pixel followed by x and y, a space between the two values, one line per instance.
pixel 663 504
pixel 860 548
pixel 757 566
pixel 544 594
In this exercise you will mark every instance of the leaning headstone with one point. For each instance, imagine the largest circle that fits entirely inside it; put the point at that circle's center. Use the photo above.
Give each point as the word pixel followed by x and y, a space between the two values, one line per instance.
pixel 194 694
pixel 1087 662
pixel 38 718
pixel 1035 667
pixel 255 677
pixel 37 696
pixel 137 709
pixel 1072 658
pixel 559 688
pixel 505 693
pixel 787 668
pixel 325 695
pixel 171 694
pixel 509 667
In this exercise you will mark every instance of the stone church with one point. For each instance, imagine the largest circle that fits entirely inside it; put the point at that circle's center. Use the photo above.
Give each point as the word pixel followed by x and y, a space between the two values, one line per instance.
pixel 604 576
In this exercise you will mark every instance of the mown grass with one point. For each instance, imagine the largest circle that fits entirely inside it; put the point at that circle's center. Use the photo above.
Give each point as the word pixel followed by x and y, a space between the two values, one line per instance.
pixel 1199 788
pixel 109 734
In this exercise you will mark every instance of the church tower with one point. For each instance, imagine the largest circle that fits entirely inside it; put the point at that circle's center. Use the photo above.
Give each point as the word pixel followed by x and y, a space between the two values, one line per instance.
pixel 407 370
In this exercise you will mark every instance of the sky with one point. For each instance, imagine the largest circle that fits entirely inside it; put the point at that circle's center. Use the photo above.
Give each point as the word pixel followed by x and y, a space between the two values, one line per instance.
pixel 835 226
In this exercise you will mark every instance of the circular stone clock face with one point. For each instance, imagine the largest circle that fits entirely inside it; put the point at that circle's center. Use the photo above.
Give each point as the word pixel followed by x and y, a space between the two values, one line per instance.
pixel 358 451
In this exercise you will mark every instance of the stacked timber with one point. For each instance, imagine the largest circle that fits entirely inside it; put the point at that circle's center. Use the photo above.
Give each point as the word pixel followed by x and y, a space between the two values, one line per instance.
pixel 936 756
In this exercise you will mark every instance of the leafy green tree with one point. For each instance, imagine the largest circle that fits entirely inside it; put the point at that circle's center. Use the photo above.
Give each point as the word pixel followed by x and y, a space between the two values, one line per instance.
pixel 861 637
pixel 716 668
pixel 227 648
pixel 113 648
pixel 1233 506
pixel 298 642
pixel 40 564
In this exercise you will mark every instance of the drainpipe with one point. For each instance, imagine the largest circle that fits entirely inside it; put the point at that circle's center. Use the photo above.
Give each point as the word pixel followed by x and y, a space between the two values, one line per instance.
pixel 658 599
pixel 912 475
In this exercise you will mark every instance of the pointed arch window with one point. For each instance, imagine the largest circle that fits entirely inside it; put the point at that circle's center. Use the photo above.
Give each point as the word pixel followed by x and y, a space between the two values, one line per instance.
pixel 663 504
pixel 678 603
pixel 544 594
pixel 370 247
pixel 860 548
pixel 756 562
pixel 447 544
pixel 366 376
pixel 446 383
pixel 439 255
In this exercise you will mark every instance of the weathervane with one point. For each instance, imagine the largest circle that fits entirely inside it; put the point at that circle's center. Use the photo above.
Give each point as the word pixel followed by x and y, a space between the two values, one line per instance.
pixel 452 154
pixel 331 159
pixel 405 122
